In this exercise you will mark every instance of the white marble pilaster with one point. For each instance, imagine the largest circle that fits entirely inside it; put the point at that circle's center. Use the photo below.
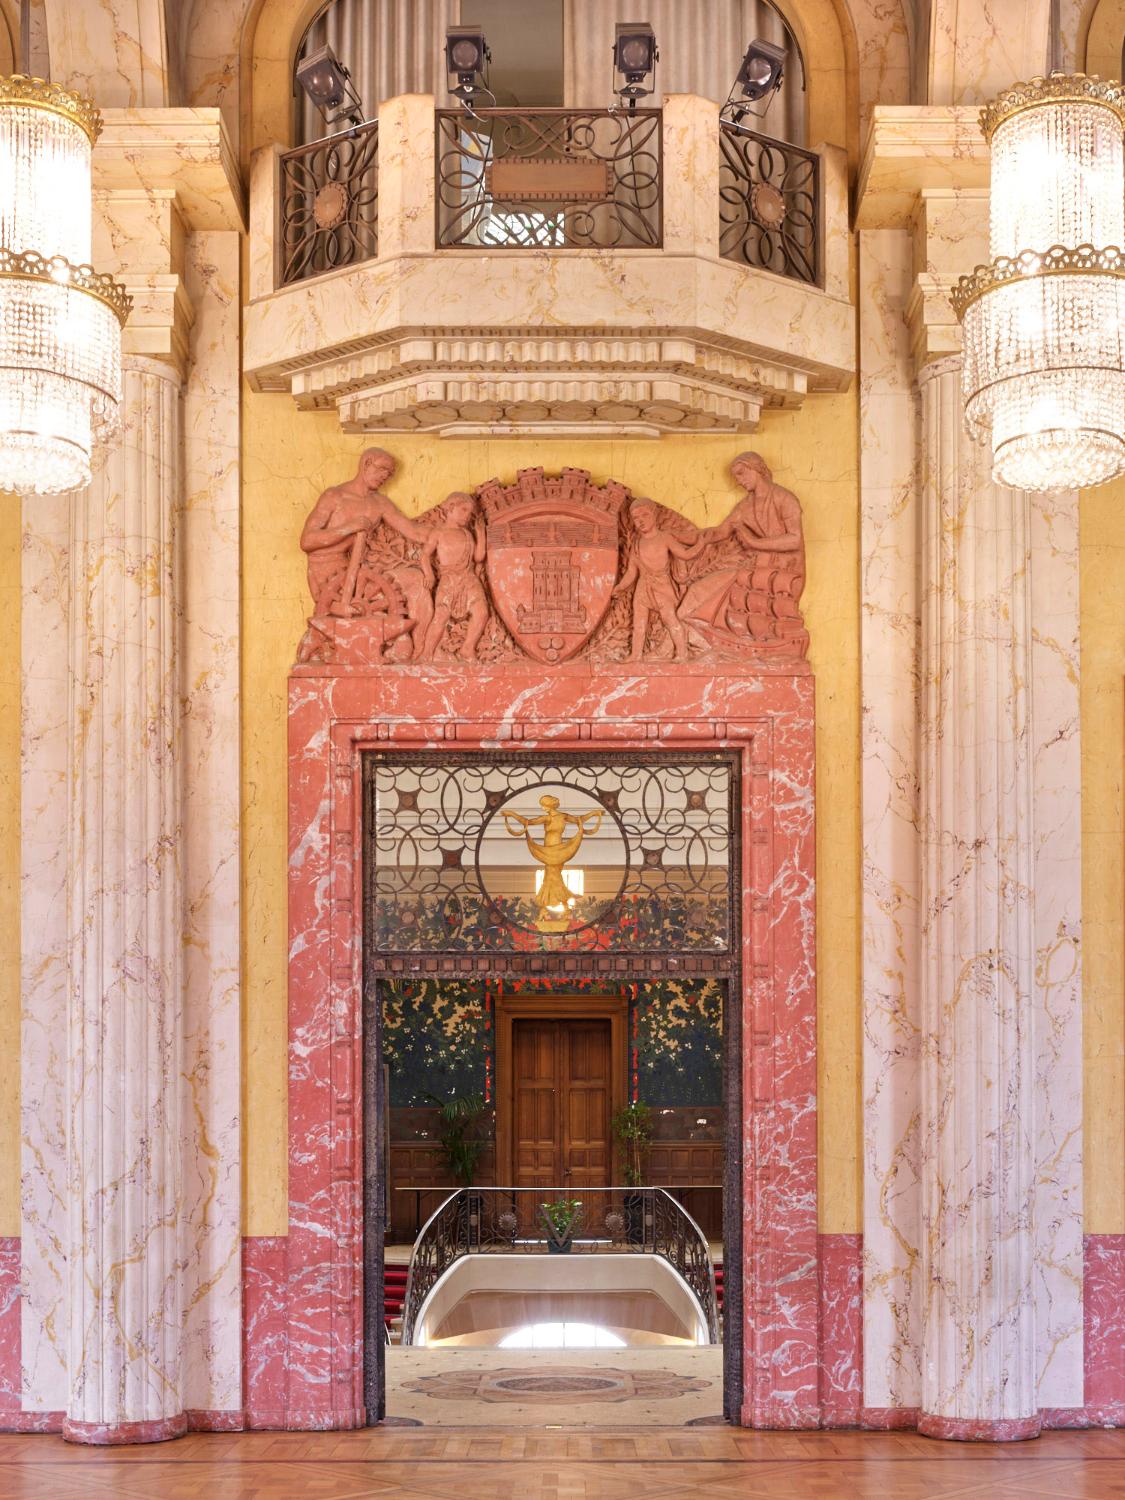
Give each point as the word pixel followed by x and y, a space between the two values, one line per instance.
pixel 983 1223
pixel 890 685
pixel 125 1178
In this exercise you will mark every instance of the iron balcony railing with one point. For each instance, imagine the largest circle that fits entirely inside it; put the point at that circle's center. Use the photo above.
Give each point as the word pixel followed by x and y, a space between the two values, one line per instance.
pixel 548 179
pixel 330 203
pixel 553 179
pixel 769 204
pixel 608 1221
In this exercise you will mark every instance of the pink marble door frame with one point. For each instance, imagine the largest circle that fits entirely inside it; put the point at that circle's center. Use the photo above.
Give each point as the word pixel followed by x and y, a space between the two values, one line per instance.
pixel 337 713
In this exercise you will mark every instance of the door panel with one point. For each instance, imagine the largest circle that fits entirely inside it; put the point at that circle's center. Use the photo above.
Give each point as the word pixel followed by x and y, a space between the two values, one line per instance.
pixel 562 1091
pixel 586 1092
pixel 535 1113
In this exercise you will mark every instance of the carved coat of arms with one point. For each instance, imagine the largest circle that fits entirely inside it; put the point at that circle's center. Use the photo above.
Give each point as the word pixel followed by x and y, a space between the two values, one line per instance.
pixel 552 557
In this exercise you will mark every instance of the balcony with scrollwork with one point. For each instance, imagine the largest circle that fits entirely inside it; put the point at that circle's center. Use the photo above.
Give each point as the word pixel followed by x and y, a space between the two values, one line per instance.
pixel 549 271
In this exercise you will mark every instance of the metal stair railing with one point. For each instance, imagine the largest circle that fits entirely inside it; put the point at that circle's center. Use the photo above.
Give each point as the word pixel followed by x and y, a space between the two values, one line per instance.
pixel 606 1221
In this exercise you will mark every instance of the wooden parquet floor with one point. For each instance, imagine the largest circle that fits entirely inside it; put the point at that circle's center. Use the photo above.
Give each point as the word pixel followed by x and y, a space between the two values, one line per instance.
pixel 644 1464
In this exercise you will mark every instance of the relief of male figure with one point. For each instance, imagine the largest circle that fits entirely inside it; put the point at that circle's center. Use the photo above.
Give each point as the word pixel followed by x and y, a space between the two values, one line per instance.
pixel 759 597
pixel 459 594
pixel 336 538
pixel 649 575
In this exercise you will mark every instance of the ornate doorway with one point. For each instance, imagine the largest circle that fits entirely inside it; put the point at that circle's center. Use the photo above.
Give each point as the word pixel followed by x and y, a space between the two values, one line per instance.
pixel 706 663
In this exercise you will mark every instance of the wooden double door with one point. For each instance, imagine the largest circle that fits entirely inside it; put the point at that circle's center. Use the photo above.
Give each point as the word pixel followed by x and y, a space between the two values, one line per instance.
pixel 561 1075
pixel 561 1103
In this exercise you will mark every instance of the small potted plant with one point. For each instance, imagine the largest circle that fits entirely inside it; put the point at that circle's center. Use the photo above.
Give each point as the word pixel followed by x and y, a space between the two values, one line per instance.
pixel 561 1219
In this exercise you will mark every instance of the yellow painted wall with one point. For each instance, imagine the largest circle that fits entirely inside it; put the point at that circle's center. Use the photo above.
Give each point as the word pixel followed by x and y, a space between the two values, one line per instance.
pixel 1102 584
pixel 288 458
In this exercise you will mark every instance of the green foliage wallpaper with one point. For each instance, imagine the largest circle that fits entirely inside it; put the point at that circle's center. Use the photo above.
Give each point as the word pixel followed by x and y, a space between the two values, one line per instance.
pixel 438 1039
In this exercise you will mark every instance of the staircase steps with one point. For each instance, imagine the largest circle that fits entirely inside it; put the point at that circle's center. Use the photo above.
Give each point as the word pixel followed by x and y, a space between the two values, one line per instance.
pixel 394 1292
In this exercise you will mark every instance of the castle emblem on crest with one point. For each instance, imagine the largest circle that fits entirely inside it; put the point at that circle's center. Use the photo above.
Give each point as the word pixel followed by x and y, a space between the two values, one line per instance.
pixel 552 557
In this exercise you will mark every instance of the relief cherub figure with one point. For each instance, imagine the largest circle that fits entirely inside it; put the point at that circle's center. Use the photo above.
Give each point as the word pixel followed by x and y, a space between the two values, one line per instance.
pixel 650 570
pixel 456 546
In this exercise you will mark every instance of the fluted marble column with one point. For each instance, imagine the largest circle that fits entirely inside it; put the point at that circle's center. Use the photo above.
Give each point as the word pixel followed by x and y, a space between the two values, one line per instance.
pixel 977 1106
pixel 125 1018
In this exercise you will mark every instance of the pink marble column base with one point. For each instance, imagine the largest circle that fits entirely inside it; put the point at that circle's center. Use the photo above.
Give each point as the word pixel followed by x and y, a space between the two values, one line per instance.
pixel 110 1434
pixel 970 1430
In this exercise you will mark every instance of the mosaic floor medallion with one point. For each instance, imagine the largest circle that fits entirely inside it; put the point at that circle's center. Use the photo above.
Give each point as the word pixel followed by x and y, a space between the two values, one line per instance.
pixel 548 1382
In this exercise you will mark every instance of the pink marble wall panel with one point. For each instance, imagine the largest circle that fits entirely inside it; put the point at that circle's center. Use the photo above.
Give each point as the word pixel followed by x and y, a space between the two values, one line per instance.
pixel 265 1336
pixel 841 1329
pixel 13 1417
pixel 9 1325
pixel 333 714
pixel 1105 1329
pixel 1104 1338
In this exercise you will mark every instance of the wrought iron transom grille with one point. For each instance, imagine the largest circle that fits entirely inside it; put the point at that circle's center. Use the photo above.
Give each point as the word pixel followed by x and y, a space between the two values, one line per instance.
pixel 550 863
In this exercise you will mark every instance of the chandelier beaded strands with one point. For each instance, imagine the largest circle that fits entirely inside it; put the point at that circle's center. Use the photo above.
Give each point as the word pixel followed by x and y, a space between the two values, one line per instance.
pixel 60 321
pixel 1043 370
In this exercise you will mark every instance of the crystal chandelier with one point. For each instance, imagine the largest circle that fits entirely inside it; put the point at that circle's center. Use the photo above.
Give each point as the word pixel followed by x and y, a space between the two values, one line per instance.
pixel 60 322
pixel 1043 369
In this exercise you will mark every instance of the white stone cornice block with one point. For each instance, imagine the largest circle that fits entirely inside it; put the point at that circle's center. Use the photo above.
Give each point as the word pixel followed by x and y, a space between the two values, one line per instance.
pixel 187 150
pixel 914 146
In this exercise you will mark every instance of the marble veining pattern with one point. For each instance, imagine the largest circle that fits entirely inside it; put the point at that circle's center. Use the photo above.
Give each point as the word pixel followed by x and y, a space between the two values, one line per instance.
pixel 330 720
pixel 197 855
pixel 889 646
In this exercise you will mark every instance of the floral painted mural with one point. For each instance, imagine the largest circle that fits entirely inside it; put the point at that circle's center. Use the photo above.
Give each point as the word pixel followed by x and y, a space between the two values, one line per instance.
pixel 438 1039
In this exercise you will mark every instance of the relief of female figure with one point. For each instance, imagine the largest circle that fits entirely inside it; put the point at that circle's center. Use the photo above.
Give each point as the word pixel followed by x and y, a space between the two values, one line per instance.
pixel 758 599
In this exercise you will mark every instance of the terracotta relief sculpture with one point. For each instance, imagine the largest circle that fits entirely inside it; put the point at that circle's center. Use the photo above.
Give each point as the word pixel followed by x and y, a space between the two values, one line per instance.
pixel 753 597
pixel 354 569
pixel 459 594
pixel 552 568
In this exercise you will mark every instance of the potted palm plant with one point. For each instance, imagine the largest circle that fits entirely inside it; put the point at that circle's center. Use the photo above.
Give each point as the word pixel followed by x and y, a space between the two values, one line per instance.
pixel 632 1126
pixel 561 1219
pixel 458 1121
pixel 458 1131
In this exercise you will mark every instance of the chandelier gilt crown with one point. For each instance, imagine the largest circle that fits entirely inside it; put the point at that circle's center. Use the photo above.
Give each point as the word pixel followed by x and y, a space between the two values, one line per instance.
pixel 1043 372
pixel 60 321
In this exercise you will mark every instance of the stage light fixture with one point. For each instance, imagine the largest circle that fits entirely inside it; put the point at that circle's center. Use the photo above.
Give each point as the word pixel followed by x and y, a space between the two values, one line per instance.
pixel 635 56
pixel 466 58
pixel 760 75
pixel 761 71
pixel 328 85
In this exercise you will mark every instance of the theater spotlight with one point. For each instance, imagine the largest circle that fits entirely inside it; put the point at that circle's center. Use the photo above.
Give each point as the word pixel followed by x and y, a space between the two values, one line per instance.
pixel 759 76
pixel 328 85
pixel 635 57
pixel 466 57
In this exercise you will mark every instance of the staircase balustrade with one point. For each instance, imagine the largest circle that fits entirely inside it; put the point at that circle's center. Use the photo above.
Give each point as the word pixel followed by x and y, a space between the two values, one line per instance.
pixel 605 1221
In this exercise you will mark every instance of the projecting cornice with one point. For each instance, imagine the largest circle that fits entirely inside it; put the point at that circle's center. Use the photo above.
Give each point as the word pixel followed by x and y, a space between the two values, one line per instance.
pixel 183 151
pixel 912 147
